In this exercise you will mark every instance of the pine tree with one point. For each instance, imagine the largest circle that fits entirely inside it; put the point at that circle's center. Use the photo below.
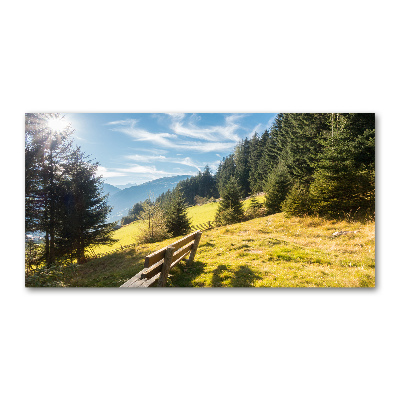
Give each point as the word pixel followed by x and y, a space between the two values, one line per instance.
pixel 270 153
pixel 46 153
pixel 176 218
pixel 226 170
pixel 344 181
pixel 84 212
pixel 242 164
pixel 255 155
pixel 230 209
pixel 276 188
pixel 208 184
pixel 297 201
pixel 300 137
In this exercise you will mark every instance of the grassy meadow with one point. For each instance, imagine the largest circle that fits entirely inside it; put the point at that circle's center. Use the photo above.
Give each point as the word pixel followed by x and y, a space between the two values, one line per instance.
pixel 127 235
pixel 272 251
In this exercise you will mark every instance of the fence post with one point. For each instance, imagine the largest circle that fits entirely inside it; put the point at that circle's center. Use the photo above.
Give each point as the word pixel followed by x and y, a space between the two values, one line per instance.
pixel 162 280
pixel 194 248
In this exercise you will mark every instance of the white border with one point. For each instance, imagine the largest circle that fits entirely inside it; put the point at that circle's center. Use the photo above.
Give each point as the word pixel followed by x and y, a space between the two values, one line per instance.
pixel 209 57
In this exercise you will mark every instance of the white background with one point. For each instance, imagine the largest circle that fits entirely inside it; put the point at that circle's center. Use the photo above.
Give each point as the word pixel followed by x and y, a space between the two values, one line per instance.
pixel 209 56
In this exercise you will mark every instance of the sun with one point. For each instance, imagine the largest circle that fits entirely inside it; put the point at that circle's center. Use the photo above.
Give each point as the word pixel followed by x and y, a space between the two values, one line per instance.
pixel 57 124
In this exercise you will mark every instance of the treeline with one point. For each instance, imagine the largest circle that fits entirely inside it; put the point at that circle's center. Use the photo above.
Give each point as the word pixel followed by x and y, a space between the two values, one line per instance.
pixel 197 189
pixel 308 163
pixel 321 163
pixel 305 163
pixel 64 198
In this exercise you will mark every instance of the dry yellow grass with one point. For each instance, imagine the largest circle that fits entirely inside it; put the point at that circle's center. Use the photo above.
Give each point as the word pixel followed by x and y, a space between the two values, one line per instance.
pixel 272 251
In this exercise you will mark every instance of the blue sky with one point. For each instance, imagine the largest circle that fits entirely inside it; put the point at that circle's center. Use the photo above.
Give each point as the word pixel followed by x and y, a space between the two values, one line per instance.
pixel 136 148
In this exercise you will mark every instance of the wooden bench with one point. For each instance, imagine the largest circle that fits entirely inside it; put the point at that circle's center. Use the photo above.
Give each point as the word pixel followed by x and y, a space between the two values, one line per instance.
pixel 158 264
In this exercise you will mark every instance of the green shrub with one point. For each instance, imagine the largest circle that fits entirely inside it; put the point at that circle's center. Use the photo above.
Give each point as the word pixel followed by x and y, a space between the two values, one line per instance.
pixel 156 233
pixel 227 217
pixel 255 209
pixel 297 202
pixel 51 276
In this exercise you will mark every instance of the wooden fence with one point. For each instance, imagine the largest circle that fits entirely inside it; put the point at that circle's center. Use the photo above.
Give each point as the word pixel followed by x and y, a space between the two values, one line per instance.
pixel 204 227
pixel 92 253
pixel 158 264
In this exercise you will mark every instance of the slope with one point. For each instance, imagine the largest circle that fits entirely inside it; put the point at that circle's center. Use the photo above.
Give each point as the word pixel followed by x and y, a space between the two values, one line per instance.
pixel 271 251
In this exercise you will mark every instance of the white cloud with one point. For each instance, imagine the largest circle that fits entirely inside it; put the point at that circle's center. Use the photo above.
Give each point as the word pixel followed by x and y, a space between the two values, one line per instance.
pixel 187 161
pixel 122 122
pixel 142 169
pixel 106 173
pixel 184 161
pixel 205 147
pixel 142 158
pixel 212 133
pixel 128 127
pixel 177 116
pixel 214 138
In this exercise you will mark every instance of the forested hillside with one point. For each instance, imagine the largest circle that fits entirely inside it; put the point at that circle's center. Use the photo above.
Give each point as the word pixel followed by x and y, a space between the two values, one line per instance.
pixel 308 163
pixel 322 164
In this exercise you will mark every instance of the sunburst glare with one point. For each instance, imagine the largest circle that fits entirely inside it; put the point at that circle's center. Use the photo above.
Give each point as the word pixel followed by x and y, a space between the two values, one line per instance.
pixel 57 124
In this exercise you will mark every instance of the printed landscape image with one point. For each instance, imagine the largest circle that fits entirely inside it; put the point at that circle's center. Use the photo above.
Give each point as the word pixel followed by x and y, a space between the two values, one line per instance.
pixel 200 200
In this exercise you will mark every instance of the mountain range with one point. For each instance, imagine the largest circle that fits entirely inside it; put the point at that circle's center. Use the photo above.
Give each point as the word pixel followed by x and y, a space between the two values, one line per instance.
pixel 121 200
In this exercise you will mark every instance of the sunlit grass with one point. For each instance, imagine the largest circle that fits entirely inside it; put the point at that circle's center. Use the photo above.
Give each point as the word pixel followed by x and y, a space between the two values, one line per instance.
pixel 128 234
pixel 205 213
pixel 272 251
pixel 202 214
pixel 125 236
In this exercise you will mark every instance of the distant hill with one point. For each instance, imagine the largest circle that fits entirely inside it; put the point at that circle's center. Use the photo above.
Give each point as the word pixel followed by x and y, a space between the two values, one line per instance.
pixel 123 200
pixel 126 186
pixel 110 189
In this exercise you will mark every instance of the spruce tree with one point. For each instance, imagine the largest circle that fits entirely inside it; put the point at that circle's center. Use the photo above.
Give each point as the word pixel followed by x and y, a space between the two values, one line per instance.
pixel 230 208
pixel 276 188
pixel 344 180
pixel 255 155
pixel 46 154
pixel 176 218
pixel 85 210
pixel 226 170
pixel 242 166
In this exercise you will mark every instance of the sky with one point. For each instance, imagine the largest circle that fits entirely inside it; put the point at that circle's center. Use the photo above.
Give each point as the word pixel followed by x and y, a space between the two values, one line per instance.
pixel 137 148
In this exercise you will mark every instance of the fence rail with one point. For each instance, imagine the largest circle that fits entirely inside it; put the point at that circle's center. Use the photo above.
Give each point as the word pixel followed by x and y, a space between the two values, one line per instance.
pixel 205 227
pixel 158 264
pixel 92 253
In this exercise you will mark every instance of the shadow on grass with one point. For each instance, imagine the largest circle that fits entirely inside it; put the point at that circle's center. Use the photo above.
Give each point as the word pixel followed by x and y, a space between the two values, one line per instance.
pixel 182 276
pixel 107 271
pixel 207 244
pixel 242 276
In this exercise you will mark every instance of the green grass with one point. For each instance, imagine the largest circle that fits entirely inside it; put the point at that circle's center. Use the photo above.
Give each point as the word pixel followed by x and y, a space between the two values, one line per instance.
pixel 128 234
pixel 125 236
pixel 272 251
pixel 202 214
pixel 205 213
